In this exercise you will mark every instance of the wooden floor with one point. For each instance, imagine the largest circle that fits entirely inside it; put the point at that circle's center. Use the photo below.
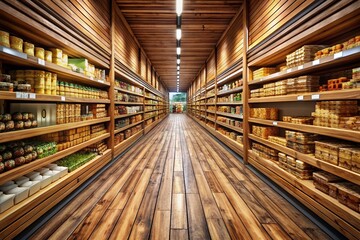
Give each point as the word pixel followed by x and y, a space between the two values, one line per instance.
pixel 179 183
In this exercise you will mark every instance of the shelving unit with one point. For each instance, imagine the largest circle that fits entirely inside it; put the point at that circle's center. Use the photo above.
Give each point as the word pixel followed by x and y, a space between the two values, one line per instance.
pixel 104 55
pixel 270 50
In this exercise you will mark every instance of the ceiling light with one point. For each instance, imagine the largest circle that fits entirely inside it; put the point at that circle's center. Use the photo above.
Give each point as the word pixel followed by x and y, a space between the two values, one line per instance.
pixel 178 61
pixel 178 76
pixel 178 72
pixel 178 67
pixel 178 50
pixel 178 34
pixel 179 7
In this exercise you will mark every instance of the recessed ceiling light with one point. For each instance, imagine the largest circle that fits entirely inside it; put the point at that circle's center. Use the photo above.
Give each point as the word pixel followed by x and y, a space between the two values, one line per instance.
pixel 178 50
pixel 178 34
pixel 178 61
pixel 178 67
pixel 179 7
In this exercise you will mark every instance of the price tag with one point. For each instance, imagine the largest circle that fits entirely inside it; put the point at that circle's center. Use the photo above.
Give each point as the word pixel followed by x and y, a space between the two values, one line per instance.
pixel 288 70
pixel 32 95
pixel 63 98
pixel 300 98
pixel 300 67
pixel 316 62
pixel 338 55
pixel 100 81
pixel 91 78
pixel 18 94
pixel 41 61
pixel 275 123
pixel 315 96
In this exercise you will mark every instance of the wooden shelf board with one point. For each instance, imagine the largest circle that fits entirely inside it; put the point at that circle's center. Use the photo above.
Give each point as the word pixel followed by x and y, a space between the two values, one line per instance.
pixel 310 159
pixel 234 90
pixel 229 103
pixel 230 127
pixel 331 132
pixel 127 127
pixel 129 92
pixel 209 111
pixel 313 96
pixel 33 132
pixel 126 143
pixel 349 55
pixel 230 115
pixel 343 218
pixel 50 98
pixel 38 163
pixel 9 56
pixel 127 115
pixel 129 103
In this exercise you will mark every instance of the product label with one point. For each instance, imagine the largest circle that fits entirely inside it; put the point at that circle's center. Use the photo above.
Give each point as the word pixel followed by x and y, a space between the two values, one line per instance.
pixel 32 95
pixel 315 96
pixel 63 98
pixel 275 123
pixel 300 67
pixel 22 95
pixel 316 62
pixel 41 61
pixel 288 70
pixel 300 98
pixel 100 81
pixel 338 55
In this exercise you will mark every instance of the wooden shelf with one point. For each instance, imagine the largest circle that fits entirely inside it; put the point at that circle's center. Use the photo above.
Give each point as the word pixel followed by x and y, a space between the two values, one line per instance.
pixel 150 104
pixel 237 129
pixel 210 104
pixel 340 217
pixel 310 159
pixel 127 115
pixel 129 92
pixel 34 97
pixel 33 132
pixel 346 56
pixel 313 96
pixel 50 195
pixel 150 117
pixel 210 119
pixel 331 132
pixel 210 111
pixel 152 98
pixel 230 115
pixel 209 96
pixel 151 110
pixel 129 103
pixel 229 103
pixel 127 127
pixel 152 125
pixel 38 163
pixel 8 55
pixel 127 143
pixel 234 90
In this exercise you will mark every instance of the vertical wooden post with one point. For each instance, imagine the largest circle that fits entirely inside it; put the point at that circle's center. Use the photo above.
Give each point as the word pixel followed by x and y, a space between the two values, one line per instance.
pixel 216 90
pixel 206 100
pixel 112 81
pixel 246 90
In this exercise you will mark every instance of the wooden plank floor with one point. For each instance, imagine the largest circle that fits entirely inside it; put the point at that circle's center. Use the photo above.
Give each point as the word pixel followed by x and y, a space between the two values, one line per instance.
pixel 179 183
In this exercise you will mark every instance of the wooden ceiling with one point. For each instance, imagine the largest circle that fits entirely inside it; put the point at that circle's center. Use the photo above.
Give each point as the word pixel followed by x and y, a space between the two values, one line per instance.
pixel 154 22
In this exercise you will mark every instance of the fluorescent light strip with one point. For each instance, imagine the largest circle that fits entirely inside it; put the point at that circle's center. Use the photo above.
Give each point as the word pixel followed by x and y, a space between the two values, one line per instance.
pixel 178 34
pixel 179 7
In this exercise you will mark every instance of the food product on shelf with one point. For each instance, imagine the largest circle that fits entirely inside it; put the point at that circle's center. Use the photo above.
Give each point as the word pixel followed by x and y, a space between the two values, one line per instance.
pixel 97 130
pixel 330 113
pixel 302 55
pixel 352 123
pixel 119 138
pixel 296 167
pixel 76 160
pixel 29 48
pixel 98 110
pixel 128 87
pixel 98 148
pixel 48 56
pixel 299 120
pixel 123 122
pixel 40 53
pixel 229 121
pixel 278 140
pixel 4 39
pixel 349 158
pixel 264 132
pixel 322 180
pixel 16 43
pixel 226 87
pixel 301 142
pixel 264 113
pixel 265 152
pixel 123 97
pixel 68 113
pixel 263 72
pixel 328 51
pixel 17 121
pixel 328 150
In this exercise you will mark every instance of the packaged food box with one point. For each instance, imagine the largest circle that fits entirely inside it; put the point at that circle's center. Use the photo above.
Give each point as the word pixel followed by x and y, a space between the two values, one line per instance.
pixel 322 180
pixel 349 195
pixel 300 137
pixel 291 161
pixel 345 156
pixel 302 165
pixel 329 150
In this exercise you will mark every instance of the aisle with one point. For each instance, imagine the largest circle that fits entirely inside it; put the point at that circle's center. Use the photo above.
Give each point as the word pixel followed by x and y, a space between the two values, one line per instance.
pixel 179 183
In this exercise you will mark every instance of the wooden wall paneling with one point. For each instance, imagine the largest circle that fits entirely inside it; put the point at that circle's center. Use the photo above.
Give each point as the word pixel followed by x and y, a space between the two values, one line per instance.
pixel 148 74
pixel 230 46
pixel 210 66
pixel 52 30
pixel 143 64
pixel 111 143
pixel 268 16
pixel 312 26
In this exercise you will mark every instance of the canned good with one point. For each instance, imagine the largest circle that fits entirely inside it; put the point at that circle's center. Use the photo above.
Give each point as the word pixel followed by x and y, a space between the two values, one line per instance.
pixel 16 43
pixel 48 56
pixel 40 53
pixel 29 48
pixel 4 39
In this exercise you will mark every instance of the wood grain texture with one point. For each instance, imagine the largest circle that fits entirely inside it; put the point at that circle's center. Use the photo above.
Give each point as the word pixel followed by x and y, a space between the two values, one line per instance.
pixel 141 198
